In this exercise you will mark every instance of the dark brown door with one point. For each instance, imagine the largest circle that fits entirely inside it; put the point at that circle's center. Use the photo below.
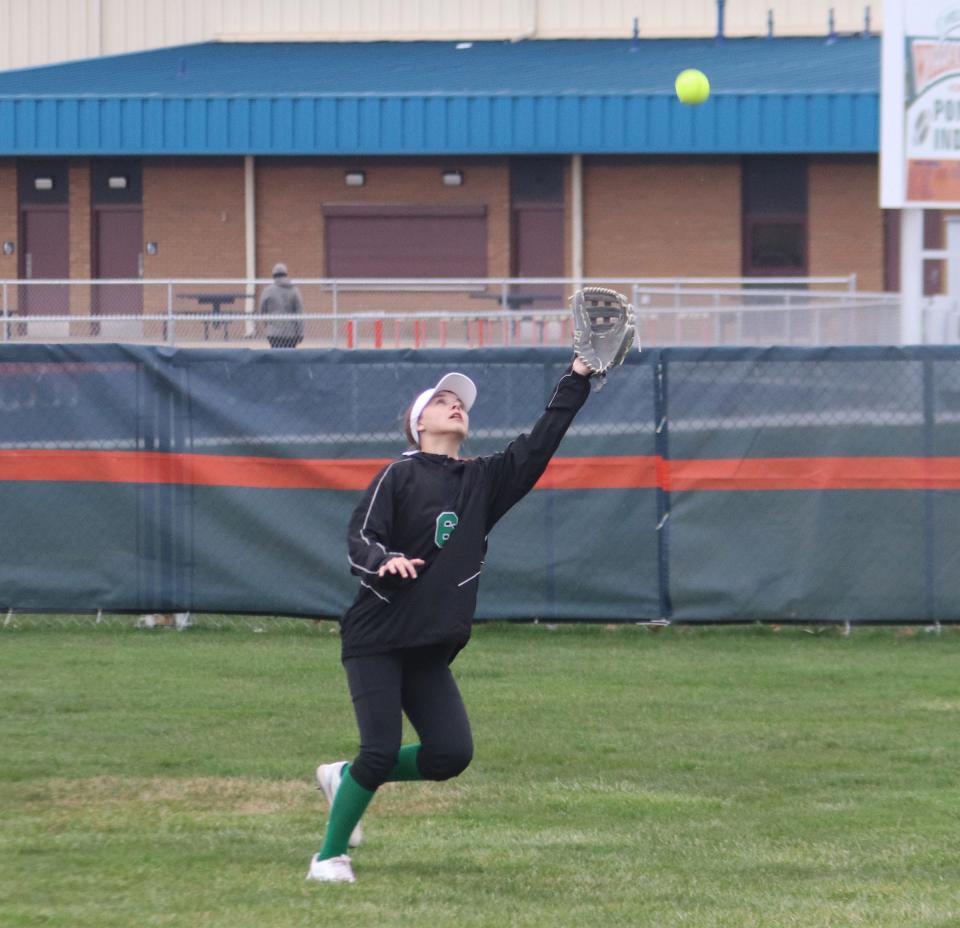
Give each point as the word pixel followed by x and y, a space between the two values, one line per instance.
pixel 118 237
pixel 538 252
pixel 45 255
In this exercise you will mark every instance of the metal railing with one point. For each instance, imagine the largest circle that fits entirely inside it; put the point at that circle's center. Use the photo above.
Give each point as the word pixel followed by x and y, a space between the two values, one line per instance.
pixel 441 312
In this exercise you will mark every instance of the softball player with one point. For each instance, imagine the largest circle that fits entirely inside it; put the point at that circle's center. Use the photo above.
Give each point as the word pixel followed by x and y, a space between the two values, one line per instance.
pixel 417 541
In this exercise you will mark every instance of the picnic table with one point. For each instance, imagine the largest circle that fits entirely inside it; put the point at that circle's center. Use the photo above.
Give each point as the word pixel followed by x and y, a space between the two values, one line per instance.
pixel 513 301
pixel 215 301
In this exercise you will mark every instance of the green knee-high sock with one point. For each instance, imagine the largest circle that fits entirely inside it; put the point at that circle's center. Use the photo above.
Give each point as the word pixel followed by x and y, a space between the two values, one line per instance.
pixel 352 800
pixel 349 805
pixel 406 768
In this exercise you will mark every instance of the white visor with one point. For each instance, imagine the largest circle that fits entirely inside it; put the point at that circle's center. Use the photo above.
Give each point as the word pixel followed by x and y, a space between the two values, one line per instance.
pixel 459 384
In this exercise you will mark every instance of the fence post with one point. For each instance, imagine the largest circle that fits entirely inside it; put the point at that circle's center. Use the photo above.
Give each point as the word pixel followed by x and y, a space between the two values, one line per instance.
pixel 171 337
pixel 662 464
pixel 929 521
pixel 6 314
pixel 336 326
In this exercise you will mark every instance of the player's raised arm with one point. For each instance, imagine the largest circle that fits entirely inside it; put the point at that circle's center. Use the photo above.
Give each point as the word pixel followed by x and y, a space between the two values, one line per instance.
pixel 513 472
pixel 604 331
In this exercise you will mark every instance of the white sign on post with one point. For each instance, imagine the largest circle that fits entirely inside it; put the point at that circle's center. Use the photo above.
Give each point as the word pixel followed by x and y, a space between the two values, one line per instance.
pixel 920 105
pixel 919 138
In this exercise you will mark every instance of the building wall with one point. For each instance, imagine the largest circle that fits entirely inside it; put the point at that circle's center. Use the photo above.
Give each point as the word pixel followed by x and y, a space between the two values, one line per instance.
pixel 662 218
pixel 845 220
pixel 36 32
pixel 194 212
pixel 81 231
pixel 193 209
pixel 289 218
pixel 642 218
pixel 291 194
pixel 9 219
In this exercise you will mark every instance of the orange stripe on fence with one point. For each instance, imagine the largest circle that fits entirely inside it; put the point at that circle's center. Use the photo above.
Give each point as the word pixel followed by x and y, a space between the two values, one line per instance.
pixel 188 469
pixel 568 473
pixel 833 473
pixel 600 473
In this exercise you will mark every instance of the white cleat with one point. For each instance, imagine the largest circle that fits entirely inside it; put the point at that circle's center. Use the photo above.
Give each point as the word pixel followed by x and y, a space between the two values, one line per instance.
pixel 331 870
pixel 328 779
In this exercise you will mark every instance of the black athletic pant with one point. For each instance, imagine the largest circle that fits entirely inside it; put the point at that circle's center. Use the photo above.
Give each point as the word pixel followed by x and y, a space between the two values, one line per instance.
pixel 417 681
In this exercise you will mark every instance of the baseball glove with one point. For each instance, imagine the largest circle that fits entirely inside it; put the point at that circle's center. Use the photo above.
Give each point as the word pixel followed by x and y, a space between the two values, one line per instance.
pixel 603 328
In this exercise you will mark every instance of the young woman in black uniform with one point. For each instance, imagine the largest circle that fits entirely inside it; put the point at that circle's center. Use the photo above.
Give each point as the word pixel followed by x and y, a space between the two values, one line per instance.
pixel 417 542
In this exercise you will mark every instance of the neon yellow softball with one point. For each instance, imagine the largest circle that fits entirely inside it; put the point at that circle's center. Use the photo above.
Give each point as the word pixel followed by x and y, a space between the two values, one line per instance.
pixel 692 86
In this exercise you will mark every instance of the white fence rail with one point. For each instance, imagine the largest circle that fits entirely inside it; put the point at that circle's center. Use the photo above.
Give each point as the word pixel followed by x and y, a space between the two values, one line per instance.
pixel 439 312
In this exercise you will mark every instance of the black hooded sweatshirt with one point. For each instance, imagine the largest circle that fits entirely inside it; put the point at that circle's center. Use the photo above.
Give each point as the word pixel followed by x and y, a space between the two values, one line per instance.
pixel 440 509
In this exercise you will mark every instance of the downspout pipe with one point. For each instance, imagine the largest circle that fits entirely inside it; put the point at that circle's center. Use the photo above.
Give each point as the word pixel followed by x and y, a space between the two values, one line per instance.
pixel 250 237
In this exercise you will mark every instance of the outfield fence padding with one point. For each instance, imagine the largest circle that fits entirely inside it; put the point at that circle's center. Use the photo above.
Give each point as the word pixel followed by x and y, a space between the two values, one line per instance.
pixel 740 484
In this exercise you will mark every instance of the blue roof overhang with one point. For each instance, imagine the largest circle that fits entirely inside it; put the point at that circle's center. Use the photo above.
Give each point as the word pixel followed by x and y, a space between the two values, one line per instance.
pixel 229 100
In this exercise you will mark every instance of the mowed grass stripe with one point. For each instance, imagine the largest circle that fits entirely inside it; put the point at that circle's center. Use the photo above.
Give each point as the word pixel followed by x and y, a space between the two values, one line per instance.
pixel 713 777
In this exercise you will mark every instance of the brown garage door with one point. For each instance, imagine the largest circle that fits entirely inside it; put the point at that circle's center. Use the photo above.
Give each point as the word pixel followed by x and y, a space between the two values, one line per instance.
pixel 406 241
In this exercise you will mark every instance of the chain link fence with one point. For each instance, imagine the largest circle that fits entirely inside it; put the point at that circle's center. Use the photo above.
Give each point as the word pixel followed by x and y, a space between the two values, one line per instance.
pixel 441 313
pixel 219 481
pixel 699 485
pixel 838 465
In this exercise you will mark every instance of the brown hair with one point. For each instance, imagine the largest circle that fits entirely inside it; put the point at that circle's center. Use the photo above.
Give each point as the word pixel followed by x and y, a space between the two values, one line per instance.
pixel 411 440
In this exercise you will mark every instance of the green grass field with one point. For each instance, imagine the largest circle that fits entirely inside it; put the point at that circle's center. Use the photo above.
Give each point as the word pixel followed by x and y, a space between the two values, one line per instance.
pixel 709 777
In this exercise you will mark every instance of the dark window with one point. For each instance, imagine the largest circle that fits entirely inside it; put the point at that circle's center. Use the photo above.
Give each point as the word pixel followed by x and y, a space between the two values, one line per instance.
pixel 774 217
pixel 43 181
pixel 932 229
pixel 536 180
pixel 933 268
pixel 116 180
pixel 406 241
pixel 775 245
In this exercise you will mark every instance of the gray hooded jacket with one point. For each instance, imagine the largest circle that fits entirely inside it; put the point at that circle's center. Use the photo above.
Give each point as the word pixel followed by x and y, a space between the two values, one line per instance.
pixel 282 298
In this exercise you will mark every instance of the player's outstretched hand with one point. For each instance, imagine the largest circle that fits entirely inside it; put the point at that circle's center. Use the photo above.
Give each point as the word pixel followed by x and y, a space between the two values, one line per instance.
pixel 581 368
pixel 401 566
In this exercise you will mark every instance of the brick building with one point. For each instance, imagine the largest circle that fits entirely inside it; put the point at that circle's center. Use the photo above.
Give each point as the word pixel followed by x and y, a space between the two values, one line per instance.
pixel 443 159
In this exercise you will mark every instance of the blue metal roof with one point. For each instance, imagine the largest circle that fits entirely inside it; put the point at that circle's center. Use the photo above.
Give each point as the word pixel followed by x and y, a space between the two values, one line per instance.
pixel 421 98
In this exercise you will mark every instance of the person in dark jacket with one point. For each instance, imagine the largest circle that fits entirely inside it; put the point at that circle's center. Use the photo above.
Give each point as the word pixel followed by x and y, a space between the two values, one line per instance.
pixel 417 542
pixel 282 298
